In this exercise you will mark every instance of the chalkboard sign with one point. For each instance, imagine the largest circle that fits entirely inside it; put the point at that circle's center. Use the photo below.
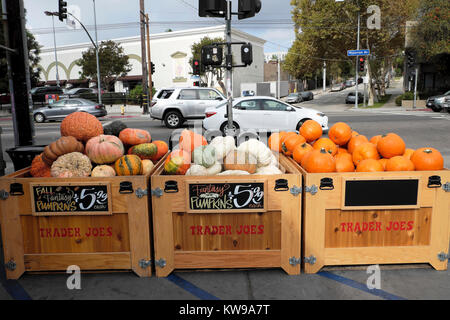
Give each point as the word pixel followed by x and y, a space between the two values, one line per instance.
pixel 223 197
pixel 70 199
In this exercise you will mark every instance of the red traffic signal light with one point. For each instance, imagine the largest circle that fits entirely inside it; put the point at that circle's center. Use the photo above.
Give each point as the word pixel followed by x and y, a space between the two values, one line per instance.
pixel 196 67
pixel 361 64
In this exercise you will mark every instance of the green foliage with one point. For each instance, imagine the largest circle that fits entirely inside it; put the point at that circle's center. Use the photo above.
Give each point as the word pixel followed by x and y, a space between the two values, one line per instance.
pixel 409 95
pixel 136 92
pixel 113 63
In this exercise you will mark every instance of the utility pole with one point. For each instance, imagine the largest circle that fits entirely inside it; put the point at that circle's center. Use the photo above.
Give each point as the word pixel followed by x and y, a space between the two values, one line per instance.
pixel 99 87
pixel 229 74
pixel 143 58
pixel 53 14
pixel 18 72
pixel 324 76
pixel 149 69
pixel 357 60
pixel 416 75
pixel 278 78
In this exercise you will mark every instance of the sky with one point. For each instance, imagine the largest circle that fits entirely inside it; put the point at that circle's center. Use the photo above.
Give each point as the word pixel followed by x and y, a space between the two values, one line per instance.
pixel 273 23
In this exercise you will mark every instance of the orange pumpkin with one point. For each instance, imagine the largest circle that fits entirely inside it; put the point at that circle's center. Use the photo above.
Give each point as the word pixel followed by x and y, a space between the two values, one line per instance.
pixel 383 163
pixel 355 133
pixel 319 161
pixel 426 159
pixel 375 139
pixel 365 151
pixel 356 141
pixel 391 145
pixel 311 130
pixel 369 165
pixel 291 142
pixel 344 164
pixel 346 156
pixel 128 165
pixel 399 163
pixel 274 141
pixel 81 125
pixel 132 137
pixel 408 153
pixel 178 162
pixel 341 150
pixel 189 140
pixel 327 144
pixel 39 169
pixel 162 147
pixel 340 133
pixel 300 151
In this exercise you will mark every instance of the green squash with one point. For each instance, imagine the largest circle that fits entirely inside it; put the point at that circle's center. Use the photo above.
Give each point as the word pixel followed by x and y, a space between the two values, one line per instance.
pixel 204 156
pixel 145 151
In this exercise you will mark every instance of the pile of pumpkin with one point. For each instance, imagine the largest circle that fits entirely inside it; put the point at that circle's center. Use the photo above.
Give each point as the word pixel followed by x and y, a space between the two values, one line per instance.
pixel 195 157
pixel 86 148
pixel 345 150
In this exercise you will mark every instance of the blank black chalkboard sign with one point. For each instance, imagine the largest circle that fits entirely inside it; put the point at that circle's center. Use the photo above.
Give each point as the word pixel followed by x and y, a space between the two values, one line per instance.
pixel 71 199
pixel 379 193
pixel 223 197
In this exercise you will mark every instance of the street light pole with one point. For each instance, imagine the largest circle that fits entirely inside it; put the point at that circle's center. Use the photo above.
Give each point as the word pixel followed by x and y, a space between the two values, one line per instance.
pixel 53 14
pixel 99 87
pixel 357 60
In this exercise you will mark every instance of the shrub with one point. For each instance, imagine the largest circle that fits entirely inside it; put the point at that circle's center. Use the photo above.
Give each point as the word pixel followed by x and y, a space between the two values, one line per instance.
pixel 409 95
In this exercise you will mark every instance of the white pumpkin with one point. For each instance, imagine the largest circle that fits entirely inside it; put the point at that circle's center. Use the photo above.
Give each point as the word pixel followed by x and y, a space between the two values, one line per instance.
pixel 196 170
pixel 233 173
pixel 223 146
pixel 103 171
pixel 257 149
pixel 147 166
pixel 215 169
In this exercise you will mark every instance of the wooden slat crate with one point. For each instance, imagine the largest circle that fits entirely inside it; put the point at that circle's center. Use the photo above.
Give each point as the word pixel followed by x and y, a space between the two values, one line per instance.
pixel 49 224
pixel 375 218
pixel 197 224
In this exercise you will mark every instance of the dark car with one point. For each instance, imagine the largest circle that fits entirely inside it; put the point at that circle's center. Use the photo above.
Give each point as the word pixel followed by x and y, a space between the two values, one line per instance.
pixel 294 97
pixel 59 110
pixel 38 94
pixel 351 97
pixel 77 92
pixel 307 95
pixel 437 103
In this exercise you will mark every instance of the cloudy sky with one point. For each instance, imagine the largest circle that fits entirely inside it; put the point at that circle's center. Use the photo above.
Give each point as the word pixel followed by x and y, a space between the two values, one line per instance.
pixel 119 18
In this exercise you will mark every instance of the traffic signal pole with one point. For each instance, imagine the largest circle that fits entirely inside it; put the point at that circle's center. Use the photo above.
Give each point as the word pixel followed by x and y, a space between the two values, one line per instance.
pixel 229 73
pixel 357 60
pixel 149 62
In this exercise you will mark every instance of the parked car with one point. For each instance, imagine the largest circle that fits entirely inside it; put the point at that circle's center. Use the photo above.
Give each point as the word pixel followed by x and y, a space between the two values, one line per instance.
pixel 349 83
pixel 185 104
pixel 248 93
pixel 162 94
pixel 437 103
pixel 338 87
pixel 351 97
pixel 60 109
pixel 263 113
pixel 307 95
pixel 76 92
pixel 38 94
pixel 294 97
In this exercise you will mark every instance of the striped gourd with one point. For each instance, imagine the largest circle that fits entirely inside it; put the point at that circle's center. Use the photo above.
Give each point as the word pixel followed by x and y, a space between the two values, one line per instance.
pixel 145 151
pixel 129 165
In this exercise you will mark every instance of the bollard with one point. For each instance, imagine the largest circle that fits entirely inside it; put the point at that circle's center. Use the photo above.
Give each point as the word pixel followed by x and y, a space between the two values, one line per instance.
pixel 122 110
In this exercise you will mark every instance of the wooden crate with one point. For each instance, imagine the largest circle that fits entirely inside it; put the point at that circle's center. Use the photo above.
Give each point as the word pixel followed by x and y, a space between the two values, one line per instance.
pixel 375 218
pixel 45 228
pixel 197 226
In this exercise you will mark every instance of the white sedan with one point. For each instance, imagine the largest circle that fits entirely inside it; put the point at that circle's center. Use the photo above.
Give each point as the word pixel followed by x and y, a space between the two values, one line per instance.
pixel 262 113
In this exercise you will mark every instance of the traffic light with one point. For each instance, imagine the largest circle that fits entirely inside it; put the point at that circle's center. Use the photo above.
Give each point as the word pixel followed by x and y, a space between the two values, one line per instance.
pixel 248 8
pixel 212 8
pixel 410 58
pixel 196 83
pixel 196 67
pixel 212 55
pixel 361 64
pixel 62 10
pixel 152 67
pixel 247 54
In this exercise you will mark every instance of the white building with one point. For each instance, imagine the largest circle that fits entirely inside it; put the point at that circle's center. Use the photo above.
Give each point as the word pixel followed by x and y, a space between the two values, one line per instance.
pixel 271 55
pixel 170 52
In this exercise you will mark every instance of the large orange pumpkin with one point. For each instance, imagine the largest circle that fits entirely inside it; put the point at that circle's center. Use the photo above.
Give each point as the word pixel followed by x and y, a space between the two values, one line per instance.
pixel 383 163
pixel 340 133
pixel 311 130
pixel 399 163
pixel 365 151
pixel 178 162
pixel 369 165
pixel 356 141
pixel 162 148
pixel 291 142
pixel 189 140
pixel 81 125
pixel 319 161
pixel 104 149
pixel 408 153
pixel 346 156
pixel 327 144
pixel 274 141
pixel 426 159
pixel 341 150
pixel 375 139
pixel 39 169
pixel 300 151
pixel 132 137
pixel 344 164
pixel 61 147
pixel 391 145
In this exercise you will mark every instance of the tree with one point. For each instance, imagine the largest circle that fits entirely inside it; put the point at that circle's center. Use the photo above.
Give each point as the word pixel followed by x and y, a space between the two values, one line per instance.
pixel 430 36
pixel 113 63
pixel 326 29
pixel 34 49
pixel 207 76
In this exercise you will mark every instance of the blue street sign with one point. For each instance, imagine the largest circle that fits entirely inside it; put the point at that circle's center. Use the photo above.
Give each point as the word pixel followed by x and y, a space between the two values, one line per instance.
pixel 363 52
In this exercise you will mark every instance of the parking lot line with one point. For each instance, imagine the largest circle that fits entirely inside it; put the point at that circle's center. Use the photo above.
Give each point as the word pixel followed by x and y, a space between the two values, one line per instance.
pixel 186 285
pixel 359 286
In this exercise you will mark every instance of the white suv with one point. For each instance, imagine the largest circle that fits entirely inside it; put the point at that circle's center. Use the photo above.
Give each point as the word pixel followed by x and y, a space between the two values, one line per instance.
pixel 176 105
